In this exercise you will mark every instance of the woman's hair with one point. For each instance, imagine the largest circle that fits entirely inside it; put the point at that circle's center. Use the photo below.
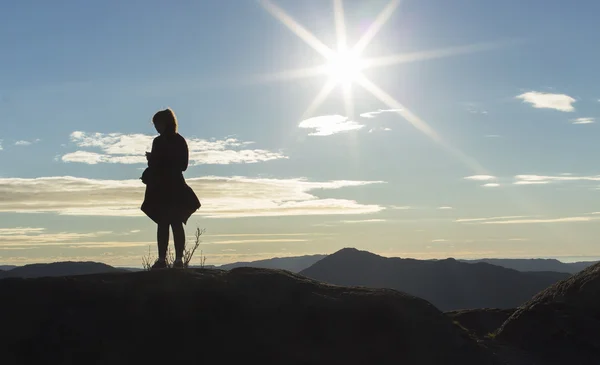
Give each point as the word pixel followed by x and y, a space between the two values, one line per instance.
pixel 168 117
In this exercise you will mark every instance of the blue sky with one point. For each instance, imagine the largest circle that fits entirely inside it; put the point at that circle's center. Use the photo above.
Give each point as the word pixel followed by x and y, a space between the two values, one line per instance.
pixel 481 143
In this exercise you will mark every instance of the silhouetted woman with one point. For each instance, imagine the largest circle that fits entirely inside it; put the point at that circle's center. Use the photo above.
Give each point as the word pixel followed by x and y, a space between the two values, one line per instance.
pixel 168 201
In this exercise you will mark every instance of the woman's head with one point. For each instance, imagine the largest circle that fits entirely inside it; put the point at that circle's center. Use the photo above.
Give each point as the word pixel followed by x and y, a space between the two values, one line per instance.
pixel 165 121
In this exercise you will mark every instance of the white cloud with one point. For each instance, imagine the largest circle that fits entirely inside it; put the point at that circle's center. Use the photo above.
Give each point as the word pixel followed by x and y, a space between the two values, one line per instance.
pixel 480 177
pixel 221 197
pixel 1 145
pixel 26 143
pixel 561 102
pixel 583 120
pixel 492 136
pixel 131 148
pixel 491 185
pixel 445 208
pixel 373 114
pixel 546 179
pixel 439 240
pixel 327 125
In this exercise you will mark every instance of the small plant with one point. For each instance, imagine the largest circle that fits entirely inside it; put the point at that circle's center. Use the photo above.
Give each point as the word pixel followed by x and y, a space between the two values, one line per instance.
pixel 491 335
pixel 188 254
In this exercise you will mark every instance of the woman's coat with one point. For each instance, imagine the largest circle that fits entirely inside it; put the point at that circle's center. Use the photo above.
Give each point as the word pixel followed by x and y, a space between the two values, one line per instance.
pixel 168 198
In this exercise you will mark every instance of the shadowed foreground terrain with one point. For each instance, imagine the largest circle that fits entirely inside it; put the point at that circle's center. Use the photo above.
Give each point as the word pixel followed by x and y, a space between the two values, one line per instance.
pixel 562 322
pixel 246 315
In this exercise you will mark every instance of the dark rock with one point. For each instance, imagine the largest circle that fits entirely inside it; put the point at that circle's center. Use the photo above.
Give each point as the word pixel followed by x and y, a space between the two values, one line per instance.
pixel 561 322
pixel 250 316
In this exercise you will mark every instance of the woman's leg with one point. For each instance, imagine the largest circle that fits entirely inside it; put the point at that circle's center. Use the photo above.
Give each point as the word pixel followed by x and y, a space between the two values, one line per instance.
pixel 163 240
pixel 179 238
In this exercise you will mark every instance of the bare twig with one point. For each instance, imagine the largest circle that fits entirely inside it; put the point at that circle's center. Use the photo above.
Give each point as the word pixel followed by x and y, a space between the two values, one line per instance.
pixel 188 254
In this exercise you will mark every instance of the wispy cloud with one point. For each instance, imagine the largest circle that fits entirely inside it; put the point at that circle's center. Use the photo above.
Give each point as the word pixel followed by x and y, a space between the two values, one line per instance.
pixel 130 149
pixel 474 109
pixel 486 219
pixel 27 143
pixel 492 136
pixel 268 240
pixel 1 148
pixel 222 197
pixel 560 102
pixel 491 185
pixel 545 220
pixel 373 114
pixel 583 120
pixel 480 177
pixel 400 207
pixel 385 129
pixel 269 234
pixel 546 179
pixel 327 125
pixel 445 208
pixel 15 237
pixel 364 221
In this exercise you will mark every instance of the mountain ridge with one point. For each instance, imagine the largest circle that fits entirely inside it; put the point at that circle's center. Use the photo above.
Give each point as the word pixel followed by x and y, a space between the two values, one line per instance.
pixel 449 284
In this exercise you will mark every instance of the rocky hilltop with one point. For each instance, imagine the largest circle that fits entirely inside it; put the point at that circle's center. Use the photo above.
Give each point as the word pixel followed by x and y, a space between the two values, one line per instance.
pixel 245 315
pixel 561 322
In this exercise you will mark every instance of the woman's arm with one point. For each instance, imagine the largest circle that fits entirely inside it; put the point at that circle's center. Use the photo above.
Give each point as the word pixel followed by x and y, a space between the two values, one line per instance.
pixel 185 155
pixel 152 156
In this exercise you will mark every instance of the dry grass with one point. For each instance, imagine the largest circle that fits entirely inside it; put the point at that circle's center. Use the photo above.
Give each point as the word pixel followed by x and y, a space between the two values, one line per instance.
pixel 188 254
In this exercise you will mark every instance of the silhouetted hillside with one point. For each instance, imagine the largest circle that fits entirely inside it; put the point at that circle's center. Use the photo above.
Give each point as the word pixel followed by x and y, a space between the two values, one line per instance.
pixel 58 269
pixel 481 322
pixel 562 322
pixel 537 264
pixel 6 267
pixel 241 316
pixel 293 264
pixel 448 284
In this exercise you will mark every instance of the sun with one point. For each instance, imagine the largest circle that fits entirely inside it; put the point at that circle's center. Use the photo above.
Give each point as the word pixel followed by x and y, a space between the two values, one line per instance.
pixel 344 66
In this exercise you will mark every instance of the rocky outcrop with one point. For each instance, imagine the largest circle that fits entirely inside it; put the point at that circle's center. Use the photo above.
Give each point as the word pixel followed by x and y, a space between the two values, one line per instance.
pixel 246 315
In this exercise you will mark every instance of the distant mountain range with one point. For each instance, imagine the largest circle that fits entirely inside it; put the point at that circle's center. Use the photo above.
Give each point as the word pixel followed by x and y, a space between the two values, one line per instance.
pixel 448 284
pixel 537 264
pixel 67 268
pixel 293 264
pixel 298 263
